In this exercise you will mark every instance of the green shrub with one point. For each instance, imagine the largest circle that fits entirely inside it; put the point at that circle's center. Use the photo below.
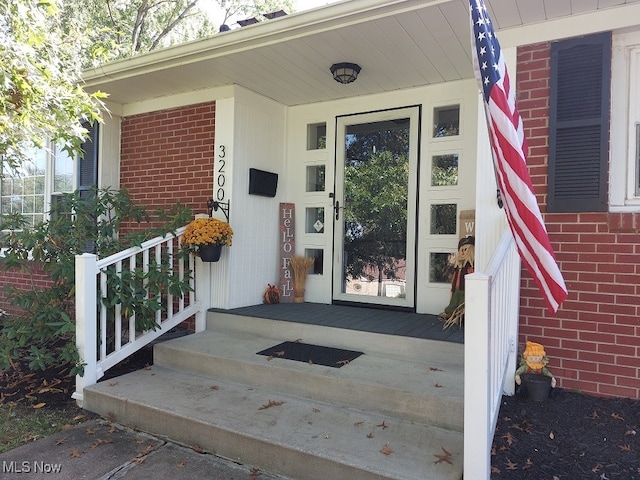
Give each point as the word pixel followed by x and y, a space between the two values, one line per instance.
pixel 89 221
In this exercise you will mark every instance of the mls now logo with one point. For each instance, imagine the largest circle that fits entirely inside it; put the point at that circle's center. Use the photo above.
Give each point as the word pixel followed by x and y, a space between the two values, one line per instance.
pixel 30 467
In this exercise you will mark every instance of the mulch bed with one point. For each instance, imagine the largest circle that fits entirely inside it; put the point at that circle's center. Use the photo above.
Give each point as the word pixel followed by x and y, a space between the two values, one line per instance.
pixel 53 387
pixel 567 436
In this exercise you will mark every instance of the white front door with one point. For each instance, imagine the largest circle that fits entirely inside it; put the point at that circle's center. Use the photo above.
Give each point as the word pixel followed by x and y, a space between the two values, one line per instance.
pixel 375 203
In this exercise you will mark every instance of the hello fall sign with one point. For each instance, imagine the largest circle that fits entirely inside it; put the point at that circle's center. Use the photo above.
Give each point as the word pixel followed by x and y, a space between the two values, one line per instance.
pixel 287 249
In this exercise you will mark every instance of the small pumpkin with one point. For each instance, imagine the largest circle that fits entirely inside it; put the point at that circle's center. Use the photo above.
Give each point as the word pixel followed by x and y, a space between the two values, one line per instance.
pixel 271 294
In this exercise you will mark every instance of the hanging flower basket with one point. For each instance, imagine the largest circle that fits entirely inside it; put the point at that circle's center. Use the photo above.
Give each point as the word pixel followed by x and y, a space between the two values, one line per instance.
pixel 210 253
pixel 205 237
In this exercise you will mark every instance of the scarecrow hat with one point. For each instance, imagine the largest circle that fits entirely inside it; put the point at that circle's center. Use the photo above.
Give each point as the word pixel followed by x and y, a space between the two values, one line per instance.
pixel 466 241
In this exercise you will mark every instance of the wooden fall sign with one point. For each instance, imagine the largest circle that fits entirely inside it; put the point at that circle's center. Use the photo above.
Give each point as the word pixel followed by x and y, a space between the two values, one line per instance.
pixel 287 249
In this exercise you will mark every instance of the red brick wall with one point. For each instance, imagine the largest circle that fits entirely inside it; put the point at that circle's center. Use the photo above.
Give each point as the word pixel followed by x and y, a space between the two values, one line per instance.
pixel 23 281
pixel 594 340
pixel 167 156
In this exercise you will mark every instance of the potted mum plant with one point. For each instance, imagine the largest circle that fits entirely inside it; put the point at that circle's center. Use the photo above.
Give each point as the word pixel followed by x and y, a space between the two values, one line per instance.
pixel 206 237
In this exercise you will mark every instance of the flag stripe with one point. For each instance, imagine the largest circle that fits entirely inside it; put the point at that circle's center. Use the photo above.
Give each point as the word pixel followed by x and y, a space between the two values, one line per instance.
pixel 508 145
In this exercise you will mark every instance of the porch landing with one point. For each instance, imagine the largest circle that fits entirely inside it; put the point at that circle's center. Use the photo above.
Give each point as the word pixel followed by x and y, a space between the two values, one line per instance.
pixel 375 320
pixel 389 414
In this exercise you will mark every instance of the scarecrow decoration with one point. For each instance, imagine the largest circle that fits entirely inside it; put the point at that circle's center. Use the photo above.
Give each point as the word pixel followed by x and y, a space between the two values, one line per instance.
pixel 463 264
pixel 534 360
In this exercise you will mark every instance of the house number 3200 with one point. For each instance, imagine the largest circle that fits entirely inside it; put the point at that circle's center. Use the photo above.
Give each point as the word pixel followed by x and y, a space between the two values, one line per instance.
pixel 221 174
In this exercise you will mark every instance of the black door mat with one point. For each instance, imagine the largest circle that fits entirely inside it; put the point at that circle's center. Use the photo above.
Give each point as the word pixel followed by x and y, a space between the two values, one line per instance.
pixel 313 354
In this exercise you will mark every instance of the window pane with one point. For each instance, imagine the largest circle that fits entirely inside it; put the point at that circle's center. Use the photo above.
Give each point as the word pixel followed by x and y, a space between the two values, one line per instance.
pixel 446 121
pixel 439 267
pixel 317 136
pixel 444 170
pixel 63 171
pixel 22 190
pixel 314 222
pixel 443 219
pixel 318 258
pixel 315 178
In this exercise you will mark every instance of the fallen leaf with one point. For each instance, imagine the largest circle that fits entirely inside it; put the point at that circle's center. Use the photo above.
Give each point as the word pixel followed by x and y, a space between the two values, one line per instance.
pixel 437 385
pixel 39 405
pixel 90 431
pixel 552 435
pixel 197 448
pixel 272 403
pixel 99 442
pixel 139 460
pixel 147 450
pixel 299 340
pixel 310 362
pixel 79 418
pixel 528 464
pixel 615 416
pixel 443 457
pixel 113 384
pixel 61 441
pixel 181 463
pixel 495 469
pixel 370 435
pixel 382 425
pixel 509 438
pixel 112 417
pixel 594 415
pixel 75 454
pixel 625 448
pixel 358 424
pixel 147 367
pixel 255 473
pixel 316 410
pixel 343 362
pixel 113 429
pixel 433 369
pixel 597 468
pixel 215 387
pixel 630 432
pixel 386 449
pixel 510 465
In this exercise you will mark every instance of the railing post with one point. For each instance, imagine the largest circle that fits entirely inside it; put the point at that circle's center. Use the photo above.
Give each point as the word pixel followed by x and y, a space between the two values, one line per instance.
pixel 86 322
pixel 203 292
pixel 477 457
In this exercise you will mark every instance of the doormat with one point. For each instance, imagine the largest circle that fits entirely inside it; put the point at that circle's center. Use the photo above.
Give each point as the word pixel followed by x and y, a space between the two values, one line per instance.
pixel 313 354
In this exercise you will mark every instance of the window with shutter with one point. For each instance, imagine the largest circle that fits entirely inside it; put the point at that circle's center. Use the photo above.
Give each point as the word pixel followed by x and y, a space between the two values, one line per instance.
pixel 88 162
pixel 579 124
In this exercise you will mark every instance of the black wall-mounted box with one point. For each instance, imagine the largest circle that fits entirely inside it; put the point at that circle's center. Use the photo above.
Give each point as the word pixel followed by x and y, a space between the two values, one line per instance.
pixel 262 183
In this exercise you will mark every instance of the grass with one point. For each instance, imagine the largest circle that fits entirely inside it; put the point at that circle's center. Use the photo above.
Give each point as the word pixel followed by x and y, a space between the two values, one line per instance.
pixel 20 424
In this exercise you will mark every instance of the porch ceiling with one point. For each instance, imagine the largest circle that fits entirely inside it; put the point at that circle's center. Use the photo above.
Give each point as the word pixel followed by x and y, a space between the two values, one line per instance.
pixel 399 44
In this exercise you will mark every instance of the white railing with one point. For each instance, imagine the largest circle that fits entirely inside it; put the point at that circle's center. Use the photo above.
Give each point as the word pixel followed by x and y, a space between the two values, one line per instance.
pixel 491 331
pixel 106 336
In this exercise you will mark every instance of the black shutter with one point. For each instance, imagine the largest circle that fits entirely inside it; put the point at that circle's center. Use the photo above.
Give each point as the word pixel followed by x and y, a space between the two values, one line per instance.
pixel 88 161
pixel 579 124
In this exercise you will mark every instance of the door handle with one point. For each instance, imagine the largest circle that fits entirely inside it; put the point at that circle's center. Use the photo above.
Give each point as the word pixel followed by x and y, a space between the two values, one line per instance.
pixel 337 209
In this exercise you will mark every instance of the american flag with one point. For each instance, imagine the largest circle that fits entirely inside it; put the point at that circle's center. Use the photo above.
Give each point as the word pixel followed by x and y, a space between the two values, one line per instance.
pixel 508 145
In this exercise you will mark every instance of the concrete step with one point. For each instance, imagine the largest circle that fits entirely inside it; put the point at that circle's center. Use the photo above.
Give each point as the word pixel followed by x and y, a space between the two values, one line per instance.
pixel 297 437
pixel 391 413
pixel 420 380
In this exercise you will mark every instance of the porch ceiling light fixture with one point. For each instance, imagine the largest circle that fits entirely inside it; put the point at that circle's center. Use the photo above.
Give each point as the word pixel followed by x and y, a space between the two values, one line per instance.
pixel 345 72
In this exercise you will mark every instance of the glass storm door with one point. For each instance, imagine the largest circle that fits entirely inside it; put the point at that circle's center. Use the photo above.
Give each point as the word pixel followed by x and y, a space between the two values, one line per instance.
pixel 375 207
